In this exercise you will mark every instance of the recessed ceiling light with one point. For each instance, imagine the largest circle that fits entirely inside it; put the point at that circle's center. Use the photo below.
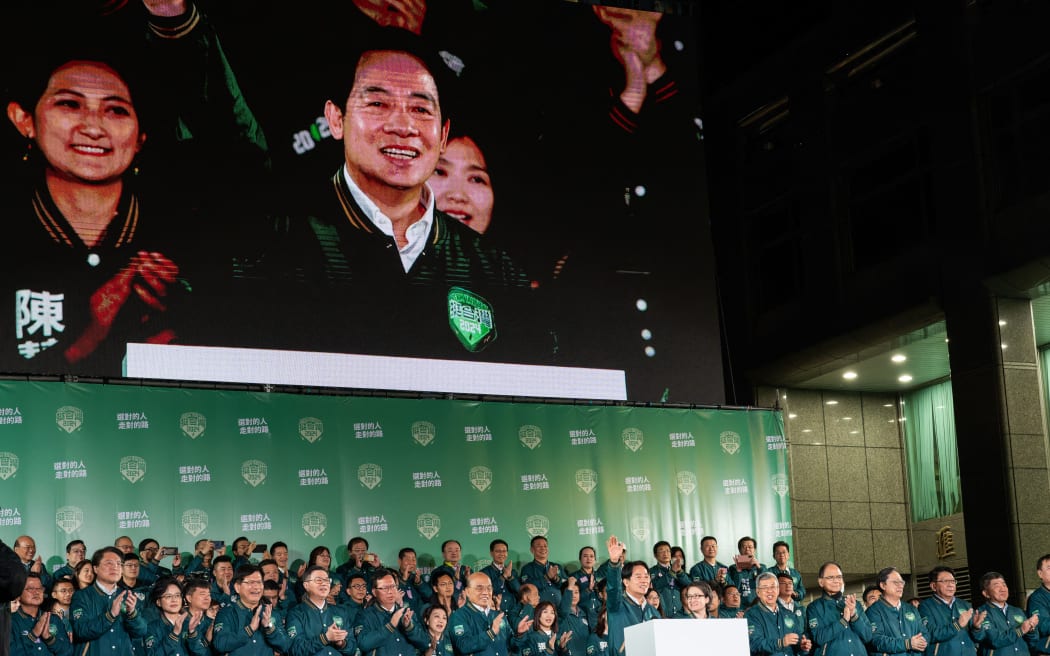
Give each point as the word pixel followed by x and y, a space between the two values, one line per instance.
pixel 791 415
pixel 887 405
pixel 1003 346
pixel 847 418
pixel 850 375
pixel 904 378
pixel 1002 322
pixel 807 430
pixel 899 357
pixel 831 402
pixel 854 432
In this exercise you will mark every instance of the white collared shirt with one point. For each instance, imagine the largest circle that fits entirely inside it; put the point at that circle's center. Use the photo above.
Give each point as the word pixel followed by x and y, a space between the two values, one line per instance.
pixel 416 234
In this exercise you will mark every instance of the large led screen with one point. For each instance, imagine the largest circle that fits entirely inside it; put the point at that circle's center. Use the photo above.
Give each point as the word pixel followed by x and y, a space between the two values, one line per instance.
pixel 455 182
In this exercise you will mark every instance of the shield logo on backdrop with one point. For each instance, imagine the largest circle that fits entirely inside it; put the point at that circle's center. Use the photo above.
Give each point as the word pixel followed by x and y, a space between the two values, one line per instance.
pixel 640 528
pixel 254 472
pixel 69 418
pixel 530 435
pixel 195 521
pixel 311 429
pixel 471 319
pixel 370 475
pixel 423 432
pixel 586 480
pixel 730 442
pixel 428 525
pixel 780 484
pixel 132 468
pixel 537 525
pixel 481 478
pixel 69 518
pixel 8 465
pixel 686 482
pixel 314 524
pixel 632 438
pixel 192 424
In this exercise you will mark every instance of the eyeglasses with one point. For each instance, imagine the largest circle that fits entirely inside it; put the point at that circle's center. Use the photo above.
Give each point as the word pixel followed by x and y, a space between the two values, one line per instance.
pixel 111 563
pixel 386 588
pixel 252 582
pixel 767 587
pixel 35 589
pixel 359 586
pixel 837 577
pixel 895 581
pixel 318 579
pixel 696 596
pixel 946 581
pixel 171 596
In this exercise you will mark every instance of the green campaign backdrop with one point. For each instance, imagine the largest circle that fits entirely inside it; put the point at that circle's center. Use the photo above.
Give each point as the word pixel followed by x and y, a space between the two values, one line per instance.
pixel 97 461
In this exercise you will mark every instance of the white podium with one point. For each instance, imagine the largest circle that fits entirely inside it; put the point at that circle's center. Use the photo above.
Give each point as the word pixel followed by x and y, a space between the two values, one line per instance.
pixel 672 637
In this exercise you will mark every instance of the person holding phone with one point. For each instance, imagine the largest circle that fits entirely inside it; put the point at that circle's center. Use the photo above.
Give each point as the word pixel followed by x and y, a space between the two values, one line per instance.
pixel 709 569
pixel 151 554
pixel 316 627
pixel 359 560
pixel 745 570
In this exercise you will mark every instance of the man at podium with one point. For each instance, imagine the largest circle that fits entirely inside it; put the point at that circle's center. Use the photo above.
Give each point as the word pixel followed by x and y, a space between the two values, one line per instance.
pixel 625 595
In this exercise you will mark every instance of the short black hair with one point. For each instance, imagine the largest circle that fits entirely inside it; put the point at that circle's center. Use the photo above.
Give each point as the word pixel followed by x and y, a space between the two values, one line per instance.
pixel 161 587
pixel 389 39
pixel 492 545
pixel 220 559
pixel 243 572
pixel 630 566
pixel 69 546
pixel 538 537
pixel 194 582
pixel 987 579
